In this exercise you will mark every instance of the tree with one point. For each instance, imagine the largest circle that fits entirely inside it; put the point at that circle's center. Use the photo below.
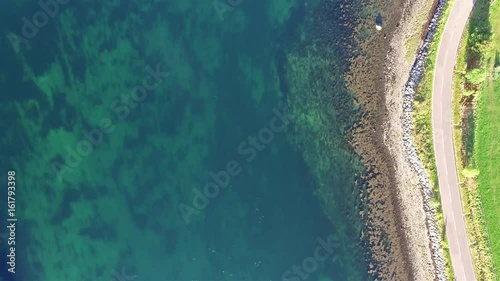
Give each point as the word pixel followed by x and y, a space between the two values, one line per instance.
pixel 476 76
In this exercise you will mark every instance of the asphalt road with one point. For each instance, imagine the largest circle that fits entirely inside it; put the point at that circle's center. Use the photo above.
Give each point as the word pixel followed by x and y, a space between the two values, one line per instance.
pixel 442 127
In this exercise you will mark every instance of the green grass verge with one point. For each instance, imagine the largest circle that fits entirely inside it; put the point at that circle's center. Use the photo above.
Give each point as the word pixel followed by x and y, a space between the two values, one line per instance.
pixel 480 250
pixel 487 145
pixel 422 132
pixel 477 139
pixel 487 155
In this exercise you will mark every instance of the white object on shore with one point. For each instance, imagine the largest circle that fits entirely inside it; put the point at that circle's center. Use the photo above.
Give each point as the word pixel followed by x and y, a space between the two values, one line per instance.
pixel 378 27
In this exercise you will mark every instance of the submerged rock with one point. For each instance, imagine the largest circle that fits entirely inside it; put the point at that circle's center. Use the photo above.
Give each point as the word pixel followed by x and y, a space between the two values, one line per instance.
pixel 378 22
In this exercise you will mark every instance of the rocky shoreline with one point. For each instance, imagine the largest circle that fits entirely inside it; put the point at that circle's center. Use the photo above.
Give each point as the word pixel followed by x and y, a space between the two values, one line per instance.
pixel 415 77
pixel 401 225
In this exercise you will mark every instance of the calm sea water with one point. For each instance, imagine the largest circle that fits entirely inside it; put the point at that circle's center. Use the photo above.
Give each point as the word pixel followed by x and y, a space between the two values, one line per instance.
pixel 177 140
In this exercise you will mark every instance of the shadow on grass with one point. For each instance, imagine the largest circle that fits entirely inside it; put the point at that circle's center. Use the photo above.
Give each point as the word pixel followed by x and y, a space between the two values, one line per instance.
pixel 468 134
pixel 480 32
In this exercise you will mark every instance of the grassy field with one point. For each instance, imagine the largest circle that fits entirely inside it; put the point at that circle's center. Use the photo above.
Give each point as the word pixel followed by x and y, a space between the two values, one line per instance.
pixel 487 145
pixel 487 154
pixel 476 107
pixel 473 210
pixel 422 132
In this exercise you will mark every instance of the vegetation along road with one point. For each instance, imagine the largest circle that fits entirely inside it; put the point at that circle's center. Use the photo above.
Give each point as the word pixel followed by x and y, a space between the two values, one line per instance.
pixel 442 126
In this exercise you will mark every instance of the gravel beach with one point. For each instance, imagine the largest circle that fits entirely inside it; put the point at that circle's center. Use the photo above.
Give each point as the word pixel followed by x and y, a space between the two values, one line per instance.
pixel 402 229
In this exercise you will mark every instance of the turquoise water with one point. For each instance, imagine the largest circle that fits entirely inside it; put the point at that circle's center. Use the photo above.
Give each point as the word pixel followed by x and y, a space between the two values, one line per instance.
pixel 180 140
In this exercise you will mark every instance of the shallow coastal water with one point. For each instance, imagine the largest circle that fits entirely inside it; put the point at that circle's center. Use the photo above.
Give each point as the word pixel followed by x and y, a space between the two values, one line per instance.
pixel 179 140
